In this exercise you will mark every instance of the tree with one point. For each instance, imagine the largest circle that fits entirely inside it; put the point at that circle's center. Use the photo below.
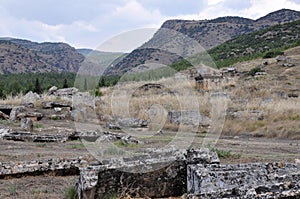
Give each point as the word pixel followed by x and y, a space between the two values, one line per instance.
pixel 101 82
pixel 65 83
pixel 37 86
pixel 2 95
pixel 85 85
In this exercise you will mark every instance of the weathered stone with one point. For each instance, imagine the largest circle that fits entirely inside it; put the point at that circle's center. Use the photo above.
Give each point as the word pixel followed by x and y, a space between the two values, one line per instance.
pixel 132 122
pixel 15 112
pixel 112 126
pixel 243 180
pixel 34 115
pixel 30 97
pixel 3 116
pixel 288 65
pixel 157 173
pixel 52 90
pixel 58 117
pixel 66 91
pixel 39 167
pixel 54 104
pixel 188 117
pixel 31 137
pixel 4 132
pixel 249 114
pixel 27 124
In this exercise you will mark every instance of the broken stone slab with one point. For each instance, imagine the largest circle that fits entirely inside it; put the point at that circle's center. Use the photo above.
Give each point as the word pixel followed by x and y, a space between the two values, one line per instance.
pixel 52 90
pixel 3 132
pixel 66 91
pixel 187 117
pixel 15 111
pixel 248 114
pixel 112 126
pixel 34 115
pixel 31 137
pixel 132 122
pixel 288 65
pixel 27 124
pixel 242 180
pixel 104 137
pixel 59 165
pixel 54 104
pixel 3 116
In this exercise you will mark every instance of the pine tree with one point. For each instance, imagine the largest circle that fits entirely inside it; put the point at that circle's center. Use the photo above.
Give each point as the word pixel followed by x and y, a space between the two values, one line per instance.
pixel 101 82
pixel 65 83
pixel 37 86
pixel 85 85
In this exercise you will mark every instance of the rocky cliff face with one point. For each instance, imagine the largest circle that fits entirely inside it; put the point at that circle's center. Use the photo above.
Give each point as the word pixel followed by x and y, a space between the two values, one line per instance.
pixel 22 56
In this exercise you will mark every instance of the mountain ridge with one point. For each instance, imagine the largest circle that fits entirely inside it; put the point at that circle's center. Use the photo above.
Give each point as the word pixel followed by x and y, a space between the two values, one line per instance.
pixel 207 33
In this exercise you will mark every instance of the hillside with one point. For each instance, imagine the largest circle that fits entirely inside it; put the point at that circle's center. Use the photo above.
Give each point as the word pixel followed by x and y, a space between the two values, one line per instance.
pixel 267 43
pixel 205 33
pixel 23 56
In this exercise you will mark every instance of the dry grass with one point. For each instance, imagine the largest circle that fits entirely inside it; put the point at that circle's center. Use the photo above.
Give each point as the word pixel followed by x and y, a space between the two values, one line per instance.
pixel 12 100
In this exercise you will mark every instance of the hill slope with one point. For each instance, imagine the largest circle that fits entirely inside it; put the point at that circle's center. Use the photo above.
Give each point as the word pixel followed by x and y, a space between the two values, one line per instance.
pixel 268 42
pixel 23 56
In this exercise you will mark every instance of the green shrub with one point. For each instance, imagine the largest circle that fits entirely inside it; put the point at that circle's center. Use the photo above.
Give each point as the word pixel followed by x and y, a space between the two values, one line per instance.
pixel 70 192
pixel 253 71
pixel 272 54
pixel 12 190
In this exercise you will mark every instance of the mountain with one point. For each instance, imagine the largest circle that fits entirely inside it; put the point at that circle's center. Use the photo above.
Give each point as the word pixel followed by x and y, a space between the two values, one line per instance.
pixel 23 56
pixel 185 37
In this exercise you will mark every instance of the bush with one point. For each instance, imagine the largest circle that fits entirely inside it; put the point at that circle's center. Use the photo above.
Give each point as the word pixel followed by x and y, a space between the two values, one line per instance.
pixel 253 71
pixel 272 54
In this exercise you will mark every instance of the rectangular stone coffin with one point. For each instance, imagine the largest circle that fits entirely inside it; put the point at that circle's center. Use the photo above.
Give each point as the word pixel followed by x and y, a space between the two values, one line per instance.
pixel 257 180
pixel 170 180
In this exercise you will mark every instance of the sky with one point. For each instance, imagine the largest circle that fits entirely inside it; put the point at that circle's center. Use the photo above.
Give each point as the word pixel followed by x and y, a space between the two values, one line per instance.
pixel 90 23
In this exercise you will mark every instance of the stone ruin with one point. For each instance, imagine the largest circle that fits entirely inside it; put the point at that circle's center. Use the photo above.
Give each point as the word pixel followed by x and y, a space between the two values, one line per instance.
pixel 167 173
pixel 257 180
pixel 196 173
pixel 157 174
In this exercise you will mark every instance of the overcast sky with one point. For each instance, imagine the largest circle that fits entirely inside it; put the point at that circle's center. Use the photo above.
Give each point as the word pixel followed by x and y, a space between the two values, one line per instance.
pixel 89 23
